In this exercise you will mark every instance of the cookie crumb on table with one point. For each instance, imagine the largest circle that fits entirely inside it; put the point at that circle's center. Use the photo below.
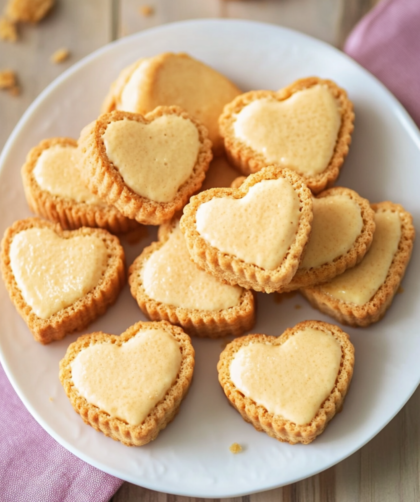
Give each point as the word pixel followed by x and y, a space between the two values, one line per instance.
pixel 60 55
pixel 400 290
pixel 298 307
pixel 8 30
pixel 28 11
pixel 146 10
pixel 235 448
pixel 8 79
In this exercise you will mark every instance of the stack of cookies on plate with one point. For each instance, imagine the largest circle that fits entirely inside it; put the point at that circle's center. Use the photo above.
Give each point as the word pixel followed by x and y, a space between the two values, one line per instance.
pixel 282 226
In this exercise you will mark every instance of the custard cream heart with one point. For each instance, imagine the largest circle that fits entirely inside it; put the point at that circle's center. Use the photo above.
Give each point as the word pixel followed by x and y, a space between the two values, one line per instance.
pixel 359 284
pixel 291 380
pixel 258 228
pixel 128 381
pixel 51 272
pixel 336 225
pixel 299 132
pixel 171 277
pixel 56 172
pixel 154 159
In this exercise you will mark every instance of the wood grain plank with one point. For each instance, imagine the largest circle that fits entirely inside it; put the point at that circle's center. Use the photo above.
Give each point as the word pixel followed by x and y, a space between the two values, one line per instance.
pixel 77 25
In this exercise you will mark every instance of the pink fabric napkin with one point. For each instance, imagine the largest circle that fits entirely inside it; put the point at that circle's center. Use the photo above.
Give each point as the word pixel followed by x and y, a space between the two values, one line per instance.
pixel 35 468
pixel 387 43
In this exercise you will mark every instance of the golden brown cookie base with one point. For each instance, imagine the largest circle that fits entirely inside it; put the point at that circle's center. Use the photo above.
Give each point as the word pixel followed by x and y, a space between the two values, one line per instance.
pixel 85 310
pixel 374 309
pixel 249 161
pixel 203 323
pixel 103 178
pixel 327 271
pixel 234 270
pixel 275 425
pixel 63 210
pixel 161 415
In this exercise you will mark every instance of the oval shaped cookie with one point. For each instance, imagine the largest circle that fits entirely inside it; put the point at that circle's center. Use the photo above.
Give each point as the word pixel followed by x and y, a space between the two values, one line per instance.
pixel 60 280
pixel 342 232
pixel 54 189
pixel 254 235
pixel 289 386
pixel 168 285
pixel 174 79
pixel 129 386
pixel 306 127
pixel 362 295
pixel 148 167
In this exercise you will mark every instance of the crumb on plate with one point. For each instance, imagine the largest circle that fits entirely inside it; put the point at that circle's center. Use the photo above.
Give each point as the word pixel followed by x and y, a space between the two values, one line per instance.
pixel 60 55
pixel 8 30
pixel 235 448
pixel 28 11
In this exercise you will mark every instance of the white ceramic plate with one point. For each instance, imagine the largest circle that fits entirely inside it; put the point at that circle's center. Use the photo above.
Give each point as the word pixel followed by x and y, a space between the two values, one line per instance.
pixel 192 456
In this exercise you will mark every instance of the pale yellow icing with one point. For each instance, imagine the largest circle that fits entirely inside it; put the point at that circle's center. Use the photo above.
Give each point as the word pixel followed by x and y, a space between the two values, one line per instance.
pixel 299 132
pixel 259 228
pixel 171 277
pixel 291 380
pixel 154 159
pixel 56 172
pixel 336 225
pixel 359 284
pixel 51 272
pixel 128 381
pixel 131 92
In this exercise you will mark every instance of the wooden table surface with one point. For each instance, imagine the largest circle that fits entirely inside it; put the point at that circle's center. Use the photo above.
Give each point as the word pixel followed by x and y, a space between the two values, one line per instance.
pixel 387 468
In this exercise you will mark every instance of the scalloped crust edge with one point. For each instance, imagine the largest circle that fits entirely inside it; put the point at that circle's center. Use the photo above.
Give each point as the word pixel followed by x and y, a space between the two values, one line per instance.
pixel 275 425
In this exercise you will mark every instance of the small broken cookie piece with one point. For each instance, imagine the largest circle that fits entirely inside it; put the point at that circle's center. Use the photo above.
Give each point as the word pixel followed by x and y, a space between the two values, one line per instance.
pixel 168 285
pixel 305 127
pixel 28 11
pixel 147 166
pixel 8 79
pixel 252 236
pixel 54 189
pixel 58 280
pixel 290 386
pixel 8 30
pixel 129 387
pixel 60 55
pixel 361 295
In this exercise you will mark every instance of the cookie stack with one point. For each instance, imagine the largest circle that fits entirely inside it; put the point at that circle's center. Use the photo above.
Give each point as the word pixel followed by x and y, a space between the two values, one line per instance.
pixel 280 227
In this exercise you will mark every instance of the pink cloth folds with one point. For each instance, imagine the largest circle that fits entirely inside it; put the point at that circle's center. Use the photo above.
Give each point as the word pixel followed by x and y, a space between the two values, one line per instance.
pixel 387 43
pixel 35 468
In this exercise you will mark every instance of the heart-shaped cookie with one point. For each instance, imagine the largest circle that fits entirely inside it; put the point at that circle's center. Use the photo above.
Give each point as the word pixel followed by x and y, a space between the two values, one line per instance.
pixel 149 166
pixel 130 386
pixel 59 280
pixel 54 189
pixel 169 286
pixel 254 235
pixel 291 386
pixel 306 127
pixel 342 232
pixel 361 295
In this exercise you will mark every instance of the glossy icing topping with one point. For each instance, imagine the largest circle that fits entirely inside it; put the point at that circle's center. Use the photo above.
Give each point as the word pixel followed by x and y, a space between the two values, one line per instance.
pixel 291 380
pixel 53 273
pixel 56 172
pixel 128 381
pixel 299 132
pixel 154 159
pixel 258 228
pixel 359 284
pixel 336 225
pixel 171 277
